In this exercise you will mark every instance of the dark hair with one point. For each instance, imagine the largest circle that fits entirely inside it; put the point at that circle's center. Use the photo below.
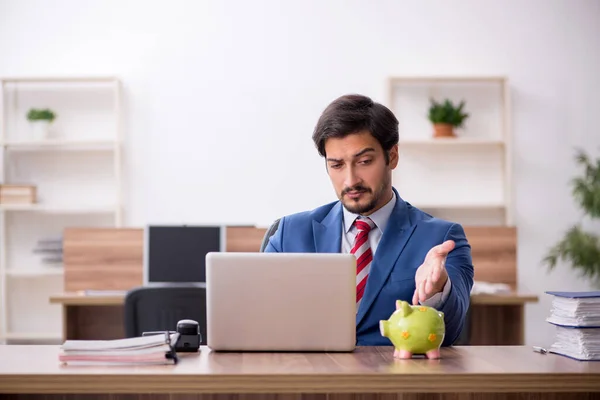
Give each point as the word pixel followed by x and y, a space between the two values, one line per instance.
pixel 354 113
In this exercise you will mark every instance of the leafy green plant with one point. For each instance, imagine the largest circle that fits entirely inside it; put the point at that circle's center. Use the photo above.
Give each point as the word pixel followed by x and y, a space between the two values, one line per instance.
pixel 41 115
pixel 447 113
pixel 578 247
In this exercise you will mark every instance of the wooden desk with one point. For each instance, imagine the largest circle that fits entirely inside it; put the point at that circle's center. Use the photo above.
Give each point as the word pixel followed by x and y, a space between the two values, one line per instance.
pixel 494 319
pixel 34 372
pixel 497 319
pixel 91 317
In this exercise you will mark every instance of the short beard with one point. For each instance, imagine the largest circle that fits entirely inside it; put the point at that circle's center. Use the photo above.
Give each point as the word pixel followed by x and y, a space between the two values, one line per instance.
pixel 356 208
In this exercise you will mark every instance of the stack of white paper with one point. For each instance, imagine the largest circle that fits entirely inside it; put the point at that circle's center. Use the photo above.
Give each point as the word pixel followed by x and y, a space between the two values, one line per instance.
pixel 153 349
pixel 481 287
pixel 578 343
pixel 576 316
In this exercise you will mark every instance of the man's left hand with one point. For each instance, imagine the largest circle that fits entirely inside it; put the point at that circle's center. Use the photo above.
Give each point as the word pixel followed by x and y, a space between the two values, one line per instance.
pixel 431 276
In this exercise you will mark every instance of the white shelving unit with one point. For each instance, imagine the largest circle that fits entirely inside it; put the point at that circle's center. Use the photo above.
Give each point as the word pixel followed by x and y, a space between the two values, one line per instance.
pixel 77 172
pixel 468 178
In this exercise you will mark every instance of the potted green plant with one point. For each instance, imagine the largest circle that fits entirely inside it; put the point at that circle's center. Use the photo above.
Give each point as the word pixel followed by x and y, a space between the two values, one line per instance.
pixel 446 116
pixel 40 120
pixel 578 247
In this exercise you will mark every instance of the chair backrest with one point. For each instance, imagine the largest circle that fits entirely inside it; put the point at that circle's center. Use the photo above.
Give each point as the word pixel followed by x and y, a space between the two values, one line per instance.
pixel 270 232
pixel 158 307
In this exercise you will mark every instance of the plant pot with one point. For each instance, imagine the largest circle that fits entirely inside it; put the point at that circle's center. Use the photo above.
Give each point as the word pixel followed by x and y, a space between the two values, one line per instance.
pixel 443 130
pixel 40 129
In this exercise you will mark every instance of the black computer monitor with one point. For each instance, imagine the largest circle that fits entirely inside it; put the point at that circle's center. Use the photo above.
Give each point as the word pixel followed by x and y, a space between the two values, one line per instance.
pixel 178 253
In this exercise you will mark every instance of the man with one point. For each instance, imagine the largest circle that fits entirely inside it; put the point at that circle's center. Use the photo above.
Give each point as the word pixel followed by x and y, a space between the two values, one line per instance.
pixel 402 253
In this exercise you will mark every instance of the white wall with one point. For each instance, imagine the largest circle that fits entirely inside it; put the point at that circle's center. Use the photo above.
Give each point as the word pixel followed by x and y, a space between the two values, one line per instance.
pixel 222 97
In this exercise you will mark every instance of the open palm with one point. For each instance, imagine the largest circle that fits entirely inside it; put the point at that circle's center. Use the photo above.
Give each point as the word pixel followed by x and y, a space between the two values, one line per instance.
pixel 431 276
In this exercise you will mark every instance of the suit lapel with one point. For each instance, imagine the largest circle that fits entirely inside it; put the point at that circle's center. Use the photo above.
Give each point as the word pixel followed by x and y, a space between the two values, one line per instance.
pixel 393 241
pixel 328 233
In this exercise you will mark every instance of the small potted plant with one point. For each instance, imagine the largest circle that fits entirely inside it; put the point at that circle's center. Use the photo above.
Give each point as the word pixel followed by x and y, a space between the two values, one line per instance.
pixel 446 116
pixel 40 120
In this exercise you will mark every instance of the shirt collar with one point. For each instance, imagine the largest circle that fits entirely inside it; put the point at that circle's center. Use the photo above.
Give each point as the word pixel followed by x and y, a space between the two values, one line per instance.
pixel 379 217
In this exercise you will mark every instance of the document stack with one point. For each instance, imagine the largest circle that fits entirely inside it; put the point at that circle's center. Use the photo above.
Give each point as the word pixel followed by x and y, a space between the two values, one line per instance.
pixel 52 248
pixel 149 350
pixel 576 316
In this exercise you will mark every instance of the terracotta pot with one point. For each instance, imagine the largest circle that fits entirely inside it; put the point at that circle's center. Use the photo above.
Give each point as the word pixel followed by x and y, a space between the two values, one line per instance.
pixel 443 130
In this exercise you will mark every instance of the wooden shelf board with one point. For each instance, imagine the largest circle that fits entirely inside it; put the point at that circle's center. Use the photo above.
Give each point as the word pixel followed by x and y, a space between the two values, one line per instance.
pixel 62 144
pixel 58 209
pixel 35 272
pixel 54 79
pixel 460 206
pixel 447 79
pixel 458 141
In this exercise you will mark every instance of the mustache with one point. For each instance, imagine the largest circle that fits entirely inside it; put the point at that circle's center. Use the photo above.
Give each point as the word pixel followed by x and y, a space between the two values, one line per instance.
pixel 357 188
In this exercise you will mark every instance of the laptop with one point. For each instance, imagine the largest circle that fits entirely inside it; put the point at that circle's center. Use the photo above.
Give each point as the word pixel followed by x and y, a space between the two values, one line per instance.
pixel 281 301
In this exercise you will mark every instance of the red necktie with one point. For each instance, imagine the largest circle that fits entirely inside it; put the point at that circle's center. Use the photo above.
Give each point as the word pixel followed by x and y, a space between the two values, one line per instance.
pixel 364 256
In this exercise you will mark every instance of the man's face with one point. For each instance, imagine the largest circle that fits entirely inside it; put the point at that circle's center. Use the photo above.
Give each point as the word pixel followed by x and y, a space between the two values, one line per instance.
pixel 357 167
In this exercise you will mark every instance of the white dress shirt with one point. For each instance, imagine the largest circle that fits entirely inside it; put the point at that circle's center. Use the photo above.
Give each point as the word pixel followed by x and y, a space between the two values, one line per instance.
pixel 380 218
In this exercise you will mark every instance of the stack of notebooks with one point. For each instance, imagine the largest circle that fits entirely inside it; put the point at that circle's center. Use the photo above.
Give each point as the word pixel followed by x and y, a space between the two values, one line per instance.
pixel 148 350
pixel 576 316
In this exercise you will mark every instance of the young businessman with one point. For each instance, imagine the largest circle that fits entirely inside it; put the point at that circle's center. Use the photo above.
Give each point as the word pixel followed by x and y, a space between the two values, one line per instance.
pixel 402 253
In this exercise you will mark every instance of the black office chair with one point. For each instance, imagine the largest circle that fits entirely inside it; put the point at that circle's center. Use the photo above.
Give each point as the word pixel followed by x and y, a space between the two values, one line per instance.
pixel 158 307
pixel 270 232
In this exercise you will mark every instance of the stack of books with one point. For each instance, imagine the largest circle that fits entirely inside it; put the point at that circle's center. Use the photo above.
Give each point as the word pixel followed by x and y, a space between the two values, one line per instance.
pixel 18 194
pixel 149 350
pixel 576 316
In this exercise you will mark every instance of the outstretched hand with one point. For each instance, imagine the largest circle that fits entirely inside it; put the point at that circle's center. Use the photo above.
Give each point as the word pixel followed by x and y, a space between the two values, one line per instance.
pixel 431 276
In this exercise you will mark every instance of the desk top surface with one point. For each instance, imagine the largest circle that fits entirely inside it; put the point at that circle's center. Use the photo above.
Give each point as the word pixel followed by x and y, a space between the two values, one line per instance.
pixel 110 298
pixel 36 369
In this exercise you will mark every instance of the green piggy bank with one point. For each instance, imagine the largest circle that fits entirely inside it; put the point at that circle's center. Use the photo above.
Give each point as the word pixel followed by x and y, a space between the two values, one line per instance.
pixel 414 330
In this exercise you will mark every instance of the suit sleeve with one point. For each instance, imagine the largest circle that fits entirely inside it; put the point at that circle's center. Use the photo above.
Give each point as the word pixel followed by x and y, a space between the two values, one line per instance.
pixel 276 240
pixel 437 300
pixel 460 269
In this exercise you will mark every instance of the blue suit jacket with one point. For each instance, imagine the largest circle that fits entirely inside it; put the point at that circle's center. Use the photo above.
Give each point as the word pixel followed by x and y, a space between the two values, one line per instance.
pixel 409 235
